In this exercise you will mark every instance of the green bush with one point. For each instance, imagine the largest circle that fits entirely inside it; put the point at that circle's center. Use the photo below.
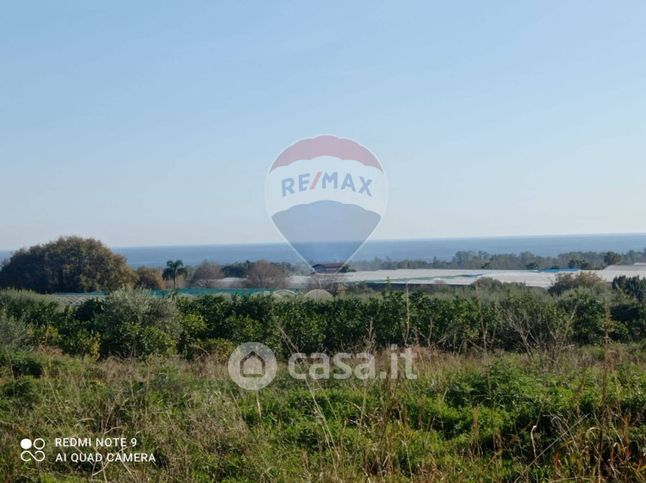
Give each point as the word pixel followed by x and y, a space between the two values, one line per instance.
pixel 30 307
pixel 144 341
pixel 193 329
pixel 630 320
pixel 568 281
pixel 79 337
pixel 513 319
pixel 134 323
pixel 21 391
pixel 591 320
pixel 14 333
pixel 531 320
pixel 213 309
pixel 634 287
pixel 301 327
pixel 500 385
pixel 22 363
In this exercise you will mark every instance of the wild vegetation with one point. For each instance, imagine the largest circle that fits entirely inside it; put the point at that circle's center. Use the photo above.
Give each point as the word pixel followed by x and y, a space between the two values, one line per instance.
pixel 489 316
pixel 77 265
pixel 479 417
pixel 512 384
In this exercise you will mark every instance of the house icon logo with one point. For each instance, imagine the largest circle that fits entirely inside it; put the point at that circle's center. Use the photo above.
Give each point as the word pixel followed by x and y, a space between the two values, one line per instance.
pixel 252 366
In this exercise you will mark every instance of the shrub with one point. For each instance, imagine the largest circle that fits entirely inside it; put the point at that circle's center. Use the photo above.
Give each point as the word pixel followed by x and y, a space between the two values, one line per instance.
pixel 30 307
pixel 243 328
pixel 502 384
pixel 630 320
pixel 530 321
pixel 144 341
pixel 79 337
pixel 193 328
pixel 90 309
pixel 513 318
pixel 590 321
pixel 634 287
pixel 213 309
pixel 22 391
pixel 134 323
pixel 488 284
pixel 568 281
pixel 22 363
pixel 13 333
pixel 301 330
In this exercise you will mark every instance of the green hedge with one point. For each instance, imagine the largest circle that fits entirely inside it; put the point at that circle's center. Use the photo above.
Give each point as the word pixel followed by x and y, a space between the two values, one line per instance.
pixel 134 323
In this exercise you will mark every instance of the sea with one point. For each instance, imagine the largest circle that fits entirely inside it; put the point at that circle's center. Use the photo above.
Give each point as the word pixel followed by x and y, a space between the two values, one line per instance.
pixel 418 249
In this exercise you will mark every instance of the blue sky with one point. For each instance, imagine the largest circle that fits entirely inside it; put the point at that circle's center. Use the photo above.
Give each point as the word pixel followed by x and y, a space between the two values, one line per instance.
pixel 154 123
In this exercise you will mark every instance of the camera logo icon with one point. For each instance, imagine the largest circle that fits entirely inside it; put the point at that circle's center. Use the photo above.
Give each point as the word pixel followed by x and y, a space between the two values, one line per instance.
pixel 37 445
pixel 252 366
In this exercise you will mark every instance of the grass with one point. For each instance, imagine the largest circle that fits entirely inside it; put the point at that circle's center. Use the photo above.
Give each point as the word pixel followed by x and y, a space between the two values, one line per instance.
pixel 474 417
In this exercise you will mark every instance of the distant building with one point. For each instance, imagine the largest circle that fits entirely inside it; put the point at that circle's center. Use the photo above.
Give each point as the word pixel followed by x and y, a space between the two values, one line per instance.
pixel 636 267
pixel 328 267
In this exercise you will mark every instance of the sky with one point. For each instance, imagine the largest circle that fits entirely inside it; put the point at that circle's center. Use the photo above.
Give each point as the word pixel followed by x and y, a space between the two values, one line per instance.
pixel 155 123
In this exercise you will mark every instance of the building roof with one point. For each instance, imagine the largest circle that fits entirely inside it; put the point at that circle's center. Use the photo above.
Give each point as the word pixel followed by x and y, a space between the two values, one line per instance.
pixel 329 265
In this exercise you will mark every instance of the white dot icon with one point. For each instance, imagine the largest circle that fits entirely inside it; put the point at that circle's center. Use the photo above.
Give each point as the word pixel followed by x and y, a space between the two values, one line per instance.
pixel 25 443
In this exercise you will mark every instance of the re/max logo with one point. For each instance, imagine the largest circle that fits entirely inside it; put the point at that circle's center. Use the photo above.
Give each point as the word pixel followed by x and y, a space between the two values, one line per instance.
pixel 321 180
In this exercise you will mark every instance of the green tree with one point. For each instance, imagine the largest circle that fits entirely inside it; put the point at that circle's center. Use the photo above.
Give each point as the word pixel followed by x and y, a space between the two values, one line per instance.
pixel 632 286
pixel 173 270
pixel 612 258
pixel 579 263
pixel 236 270
pixel 69 264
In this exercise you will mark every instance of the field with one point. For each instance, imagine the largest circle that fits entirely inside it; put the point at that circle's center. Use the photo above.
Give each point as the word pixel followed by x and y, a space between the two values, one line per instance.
pixel 499 417
pixel 512 384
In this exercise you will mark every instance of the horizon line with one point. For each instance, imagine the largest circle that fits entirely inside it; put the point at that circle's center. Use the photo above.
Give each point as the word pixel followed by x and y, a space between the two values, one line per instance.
pixel 446 238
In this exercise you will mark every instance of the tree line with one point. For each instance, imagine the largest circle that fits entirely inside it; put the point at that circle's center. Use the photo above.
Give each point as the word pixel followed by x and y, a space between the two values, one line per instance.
pixel 481 260
pixel 74 264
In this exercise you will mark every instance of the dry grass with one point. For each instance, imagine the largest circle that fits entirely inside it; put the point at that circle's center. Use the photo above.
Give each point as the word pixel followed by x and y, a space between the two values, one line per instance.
pixel 497 417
